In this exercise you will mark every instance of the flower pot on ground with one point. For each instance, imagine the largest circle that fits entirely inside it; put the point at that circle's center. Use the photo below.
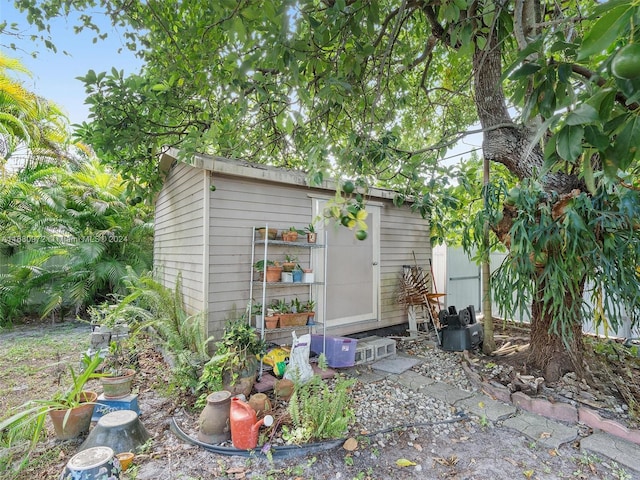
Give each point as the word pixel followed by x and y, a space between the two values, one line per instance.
pixel 234 365
pixel 118 386
pixel 117 372
pixel 75 404
pixel 70 423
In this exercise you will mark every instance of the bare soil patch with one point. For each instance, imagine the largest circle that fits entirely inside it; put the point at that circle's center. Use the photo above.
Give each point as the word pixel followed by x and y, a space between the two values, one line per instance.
pixel 466 449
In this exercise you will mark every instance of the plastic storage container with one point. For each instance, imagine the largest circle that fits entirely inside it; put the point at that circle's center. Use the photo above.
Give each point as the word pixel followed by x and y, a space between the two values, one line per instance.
pixel 340 351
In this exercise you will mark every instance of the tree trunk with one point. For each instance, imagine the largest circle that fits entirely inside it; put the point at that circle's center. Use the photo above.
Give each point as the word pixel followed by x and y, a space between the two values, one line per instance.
pixel 511 144
pixel 547 352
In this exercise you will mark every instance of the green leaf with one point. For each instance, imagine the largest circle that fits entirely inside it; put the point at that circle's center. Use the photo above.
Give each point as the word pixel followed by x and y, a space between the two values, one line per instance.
pixel 625 146
pixel 605 31
pixel 525 70
pixel 584 113
pixel 569 142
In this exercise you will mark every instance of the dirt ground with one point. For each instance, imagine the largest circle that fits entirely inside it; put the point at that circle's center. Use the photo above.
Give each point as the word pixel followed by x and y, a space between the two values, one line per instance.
pixel 466 449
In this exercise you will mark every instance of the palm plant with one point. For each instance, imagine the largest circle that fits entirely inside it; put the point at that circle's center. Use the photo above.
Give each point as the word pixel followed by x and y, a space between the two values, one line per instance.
pixel 87 235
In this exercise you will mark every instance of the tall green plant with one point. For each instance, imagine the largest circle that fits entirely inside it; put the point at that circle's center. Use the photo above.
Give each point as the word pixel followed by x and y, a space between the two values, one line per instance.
pixel 151 304
pixel 69 235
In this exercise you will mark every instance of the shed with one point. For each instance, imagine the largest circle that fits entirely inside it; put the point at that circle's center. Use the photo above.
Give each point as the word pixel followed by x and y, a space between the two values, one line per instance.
pixel 205 234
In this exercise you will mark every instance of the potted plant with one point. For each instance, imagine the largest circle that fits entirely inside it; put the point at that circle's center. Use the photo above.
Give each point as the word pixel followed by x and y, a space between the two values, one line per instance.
pixel 289 263
pixel 271 234
pixel 235 363
pixel 311 233
pixel 309 308
pixel 297 274
pixel 270 269
pixel 70 411
pixel 291 235
pixel 117 372
pixel 291 316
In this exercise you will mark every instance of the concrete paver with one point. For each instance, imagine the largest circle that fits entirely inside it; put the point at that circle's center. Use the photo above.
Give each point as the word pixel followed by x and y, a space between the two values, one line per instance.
pixel 540 429
pixel 625 453
pixel 414 380
pixel 482 405
pixel 445 392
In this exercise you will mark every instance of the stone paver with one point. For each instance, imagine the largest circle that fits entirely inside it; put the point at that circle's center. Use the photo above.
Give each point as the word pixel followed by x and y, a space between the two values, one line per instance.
pixel 540 429
pixel 624 453
pixel 414 380
pixel 446 393
pixel 484 406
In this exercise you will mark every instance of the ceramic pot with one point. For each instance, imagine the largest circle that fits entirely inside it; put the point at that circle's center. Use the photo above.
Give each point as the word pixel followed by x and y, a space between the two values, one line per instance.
pixel 125 459
pixel 117 386
pixel 273 232
pixel 312 237
pixel 97 463
pixel 260 403
pixel 297 276
pixel 71 423
pixel 120 430
pixel 213 423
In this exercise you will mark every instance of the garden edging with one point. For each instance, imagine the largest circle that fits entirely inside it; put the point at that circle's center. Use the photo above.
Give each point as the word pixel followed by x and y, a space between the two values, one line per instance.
pixel 563 412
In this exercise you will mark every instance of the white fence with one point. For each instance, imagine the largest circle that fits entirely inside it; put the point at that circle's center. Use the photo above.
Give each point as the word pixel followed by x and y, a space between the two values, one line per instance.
pixel 460 280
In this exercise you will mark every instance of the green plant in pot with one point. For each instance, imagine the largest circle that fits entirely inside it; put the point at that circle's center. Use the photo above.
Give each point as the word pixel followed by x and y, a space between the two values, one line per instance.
pixel 312 235
pixel 70 411
pixel 234 365
pixel 290 262
pixel 117 371
pixel 270 269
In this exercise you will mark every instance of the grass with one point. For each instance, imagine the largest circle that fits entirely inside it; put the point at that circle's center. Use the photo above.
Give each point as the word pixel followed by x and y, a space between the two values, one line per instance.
pixel 34 364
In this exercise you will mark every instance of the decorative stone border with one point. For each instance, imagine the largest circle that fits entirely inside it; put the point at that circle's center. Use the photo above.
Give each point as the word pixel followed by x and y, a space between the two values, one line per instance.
pixel 563 412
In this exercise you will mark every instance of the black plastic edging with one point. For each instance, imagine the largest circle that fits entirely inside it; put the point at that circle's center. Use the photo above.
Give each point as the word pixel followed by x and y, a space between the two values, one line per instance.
pixel 290 451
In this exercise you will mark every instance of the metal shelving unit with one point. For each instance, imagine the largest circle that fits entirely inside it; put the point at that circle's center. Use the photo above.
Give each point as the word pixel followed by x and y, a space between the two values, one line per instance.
pixel 260 249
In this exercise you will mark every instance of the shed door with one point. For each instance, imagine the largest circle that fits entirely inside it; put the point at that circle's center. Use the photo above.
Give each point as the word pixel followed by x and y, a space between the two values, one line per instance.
pixel 353 271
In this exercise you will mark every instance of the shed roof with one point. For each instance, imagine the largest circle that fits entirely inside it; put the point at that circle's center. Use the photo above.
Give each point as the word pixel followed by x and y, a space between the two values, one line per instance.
pixel 256 171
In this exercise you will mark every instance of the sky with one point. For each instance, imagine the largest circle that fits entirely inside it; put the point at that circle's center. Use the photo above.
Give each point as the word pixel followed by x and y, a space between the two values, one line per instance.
pixel 54 74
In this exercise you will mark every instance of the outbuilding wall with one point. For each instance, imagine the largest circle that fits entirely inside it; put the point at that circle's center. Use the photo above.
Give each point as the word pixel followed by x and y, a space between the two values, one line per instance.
pixel 178 246
pixel 237 199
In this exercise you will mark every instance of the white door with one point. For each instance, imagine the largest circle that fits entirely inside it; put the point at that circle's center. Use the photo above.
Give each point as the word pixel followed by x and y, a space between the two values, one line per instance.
pixel 353 271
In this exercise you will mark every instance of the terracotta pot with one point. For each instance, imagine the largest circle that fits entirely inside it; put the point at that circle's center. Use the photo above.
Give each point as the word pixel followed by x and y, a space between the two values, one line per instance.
pixel 273 273
pixel 288 266
pixel 289 236
pixel 260 403
pixel 118 386
pixel 284 389
pixel 271 321
pixel 71 423
pixel 273 232
pixel 293 319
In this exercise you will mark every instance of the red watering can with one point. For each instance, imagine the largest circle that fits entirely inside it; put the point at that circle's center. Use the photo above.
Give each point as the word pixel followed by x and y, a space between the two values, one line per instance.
pixel 245 424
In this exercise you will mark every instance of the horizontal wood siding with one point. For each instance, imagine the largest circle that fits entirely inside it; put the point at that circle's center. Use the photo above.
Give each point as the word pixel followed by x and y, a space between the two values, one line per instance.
pixel 236 206
pixel 403 234
pixel 178 241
